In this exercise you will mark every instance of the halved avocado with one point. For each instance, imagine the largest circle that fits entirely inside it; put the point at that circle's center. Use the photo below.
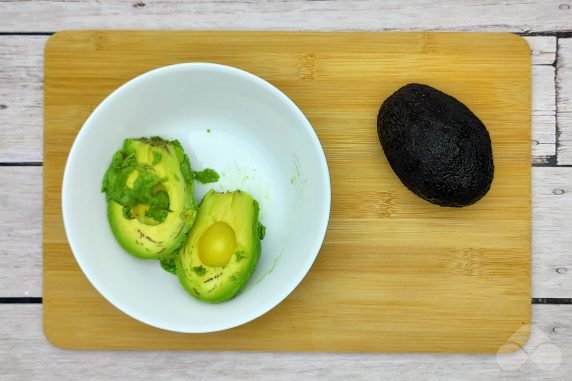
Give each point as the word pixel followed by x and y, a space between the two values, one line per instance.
pixel 149 188
pixel 223 247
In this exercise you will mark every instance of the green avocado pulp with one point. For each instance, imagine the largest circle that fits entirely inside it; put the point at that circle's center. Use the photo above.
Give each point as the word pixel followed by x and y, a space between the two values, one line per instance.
pixel 149 190
pixel 206 176
pixel 136 187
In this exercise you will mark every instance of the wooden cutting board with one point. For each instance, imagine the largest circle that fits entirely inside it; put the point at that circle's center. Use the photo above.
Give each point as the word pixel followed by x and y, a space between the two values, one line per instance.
pixel 395 273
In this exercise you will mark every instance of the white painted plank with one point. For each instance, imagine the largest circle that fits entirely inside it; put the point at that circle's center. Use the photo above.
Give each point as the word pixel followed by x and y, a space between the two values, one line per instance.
pixel 543 111
pixel 21 94
pixel 543 49
pixel 551 227
pixel 564 99
pixel 20 232
pixel 26 355
pixel 21 83
pixel 469 15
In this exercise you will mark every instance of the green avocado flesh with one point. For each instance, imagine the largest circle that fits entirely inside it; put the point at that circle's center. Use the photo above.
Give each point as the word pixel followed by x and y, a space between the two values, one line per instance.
pixel 149 190
pixel 206 176
pixel 223 247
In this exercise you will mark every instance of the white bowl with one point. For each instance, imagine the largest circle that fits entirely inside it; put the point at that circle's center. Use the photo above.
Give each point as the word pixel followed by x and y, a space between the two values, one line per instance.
pixel 226 119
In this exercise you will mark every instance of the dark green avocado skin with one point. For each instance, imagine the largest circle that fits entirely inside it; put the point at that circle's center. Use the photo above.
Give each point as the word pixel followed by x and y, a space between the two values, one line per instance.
pixel 437 147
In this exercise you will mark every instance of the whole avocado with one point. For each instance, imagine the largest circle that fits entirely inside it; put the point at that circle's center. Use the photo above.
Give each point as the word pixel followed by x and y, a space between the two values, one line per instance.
pixel 437 147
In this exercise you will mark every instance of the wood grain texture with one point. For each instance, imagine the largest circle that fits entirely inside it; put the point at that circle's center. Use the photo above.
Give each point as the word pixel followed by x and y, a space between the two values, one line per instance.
pixel 552 200
pixel 26 355
pixel 22 77
pixel 21 85
pixel 21 260
pixel 21 59
pixel 20 231
pixel 372 15
pixel 543 118
pixel 479 257
pixel 543 49
pixel 564 95
pixel 24 352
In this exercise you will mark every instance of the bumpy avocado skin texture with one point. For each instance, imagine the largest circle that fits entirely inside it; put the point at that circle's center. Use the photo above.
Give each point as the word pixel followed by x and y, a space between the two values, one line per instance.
pixel 217 284
pixel 149 190
pixel 437 147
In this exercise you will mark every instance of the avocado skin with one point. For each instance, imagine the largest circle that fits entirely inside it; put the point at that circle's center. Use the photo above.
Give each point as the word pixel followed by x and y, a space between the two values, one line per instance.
pixel 437 147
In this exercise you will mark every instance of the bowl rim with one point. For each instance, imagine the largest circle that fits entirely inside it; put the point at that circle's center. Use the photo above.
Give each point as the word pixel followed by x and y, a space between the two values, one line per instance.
pixel 325 180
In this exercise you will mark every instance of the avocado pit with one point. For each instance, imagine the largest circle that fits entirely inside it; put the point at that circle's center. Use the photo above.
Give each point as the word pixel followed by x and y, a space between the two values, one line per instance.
pixel 217 244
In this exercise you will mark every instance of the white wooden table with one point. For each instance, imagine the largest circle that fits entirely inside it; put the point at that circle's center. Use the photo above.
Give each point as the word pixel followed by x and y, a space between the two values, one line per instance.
pixel 26 25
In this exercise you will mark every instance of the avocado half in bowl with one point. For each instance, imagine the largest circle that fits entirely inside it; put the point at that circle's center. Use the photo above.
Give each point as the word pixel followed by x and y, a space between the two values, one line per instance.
pixel 273 173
